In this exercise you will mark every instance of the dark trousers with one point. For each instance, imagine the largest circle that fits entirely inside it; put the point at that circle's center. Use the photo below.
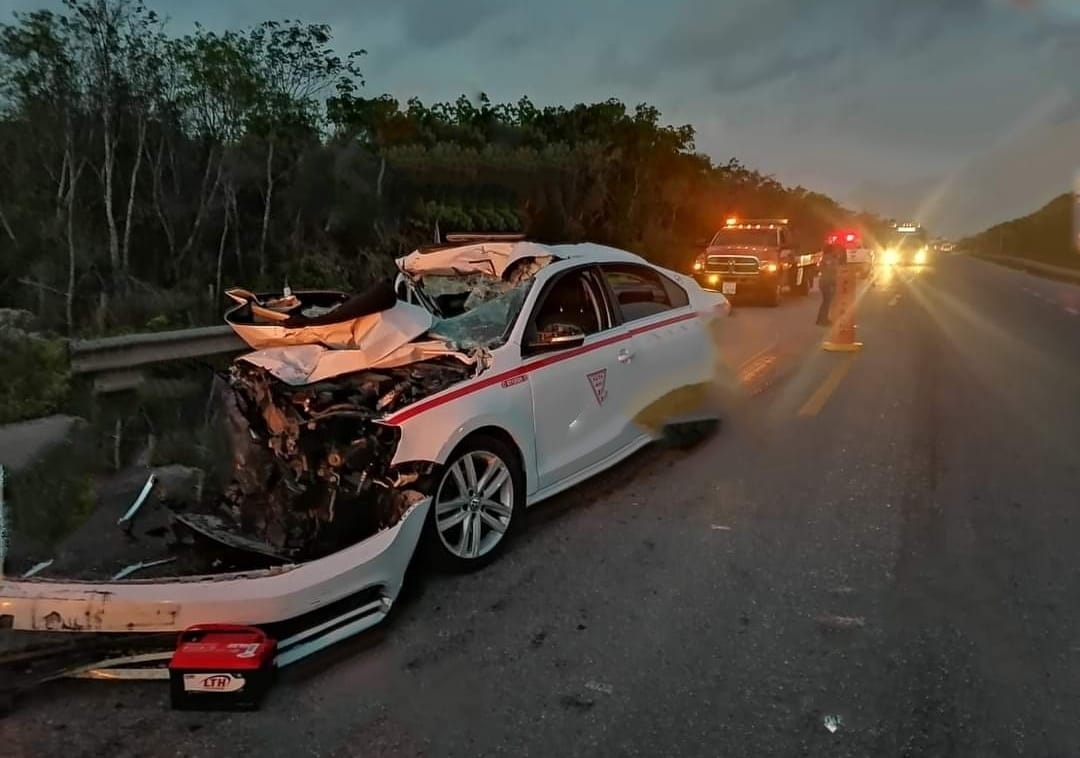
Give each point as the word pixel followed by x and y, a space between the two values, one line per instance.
pixel 827 291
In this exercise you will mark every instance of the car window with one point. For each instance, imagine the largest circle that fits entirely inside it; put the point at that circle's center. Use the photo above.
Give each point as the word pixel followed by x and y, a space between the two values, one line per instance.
pixel 572 301
pixel 642 292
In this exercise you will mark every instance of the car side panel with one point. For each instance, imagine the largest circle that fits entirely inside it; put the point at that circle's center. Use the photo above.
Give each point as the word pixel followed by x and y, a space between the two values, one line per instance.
pixel 499 397
pixel 674 360
pixel 580 398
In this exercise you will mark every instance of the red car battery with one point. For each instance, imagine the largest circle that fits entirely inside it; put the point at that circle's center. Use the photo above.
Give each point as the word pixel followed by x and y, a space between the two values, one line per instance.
pixel 221 667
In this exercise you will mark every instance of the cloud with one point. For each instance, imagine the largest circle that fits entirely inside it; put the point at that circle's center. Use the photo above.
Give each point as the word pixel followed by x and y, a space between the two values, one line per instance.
pixel 827 93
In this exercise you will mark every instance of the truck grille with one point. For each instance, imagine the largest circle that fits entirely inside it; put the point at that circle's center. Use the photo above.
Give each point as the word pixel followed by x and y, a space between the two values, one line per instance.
pixel 731 264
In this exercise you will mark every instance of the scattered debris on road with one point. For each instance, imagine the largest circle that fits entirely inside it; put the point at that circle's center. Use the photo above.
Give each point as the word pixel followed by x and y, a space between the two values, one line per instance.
pixel 720 528
pixel 841 622
pixel 832 723
pixel 605 689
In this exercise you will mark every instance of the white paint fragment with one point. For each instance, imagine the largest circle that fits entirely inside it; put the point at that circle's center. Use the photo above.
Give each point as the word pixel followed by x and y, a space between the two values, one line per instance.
pixel 605 689
pixel 720 528
pixel 832 723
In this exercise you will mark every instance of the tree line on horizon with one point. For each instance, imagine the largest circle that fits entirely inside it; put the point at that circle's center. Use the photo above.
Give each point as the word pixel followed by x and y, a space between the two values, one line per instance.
pixel 141 173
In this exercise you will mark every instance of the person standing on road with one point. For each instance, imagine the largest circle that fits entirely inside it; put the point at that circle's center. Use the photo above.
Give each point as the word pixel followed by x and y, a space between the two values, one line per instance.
pixel 830 260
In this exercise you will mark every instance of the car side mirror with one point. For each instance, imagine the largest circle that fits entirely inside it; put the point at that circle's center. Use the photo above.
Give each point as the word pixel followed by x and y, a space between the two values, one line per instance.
pixel 562 338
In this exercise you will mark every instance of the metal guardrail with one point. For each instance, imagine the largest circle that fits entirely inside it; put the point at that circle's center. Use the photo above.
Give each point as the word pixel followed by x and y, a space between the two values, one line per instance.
pixel 1035 267
pixel 117 363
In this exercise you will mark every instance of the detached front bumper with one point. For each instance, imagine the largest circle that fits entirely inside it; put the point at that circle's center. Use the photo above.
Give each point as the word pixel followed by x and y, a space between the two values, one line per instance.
pixel 376 565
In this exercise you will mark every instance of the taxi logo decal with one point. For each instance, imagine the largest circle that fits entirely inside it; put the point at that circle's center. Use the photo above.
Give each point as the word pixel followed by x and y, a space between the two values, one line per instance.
pixel 514 380
pixel 598 382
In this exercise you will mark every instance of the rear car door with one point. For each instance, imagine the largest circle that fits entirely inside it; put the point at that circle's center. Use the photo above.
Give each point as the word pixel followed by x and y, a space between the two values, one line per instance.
pixel 666 344
pixel 579 393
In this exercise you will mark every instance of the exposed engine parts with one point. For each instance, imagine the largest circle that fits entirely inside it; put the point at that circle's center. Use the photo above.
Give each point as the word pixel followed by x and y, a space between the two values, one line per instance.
pixel 311 465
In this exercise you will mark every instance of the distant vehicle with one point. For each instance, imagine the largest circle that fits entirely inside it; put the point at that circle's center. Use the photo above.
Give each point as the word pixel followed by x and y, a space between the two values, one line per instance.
pixel 908 245
pixel 755 258
pixel 370 426
pixel 857 250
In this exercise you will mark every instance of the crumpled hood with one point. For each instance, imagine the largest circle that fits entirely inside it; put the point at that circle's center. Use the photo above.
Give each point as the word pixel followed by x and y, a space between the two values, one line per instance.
pixel 297 353
pixel 376 334
pixel 490 258
pixel 297 365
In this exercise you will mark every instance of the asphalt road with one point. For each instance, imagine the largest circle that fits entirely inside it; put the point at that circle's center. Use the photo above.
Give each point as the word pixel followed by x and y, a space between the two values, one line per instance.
pixel 887 539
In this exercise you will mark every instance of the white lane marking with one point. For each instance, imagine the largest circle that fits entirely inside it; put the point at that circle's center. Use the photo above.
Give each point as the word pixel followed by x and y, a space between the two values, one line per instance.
pixel 894 301
pixel 1072 311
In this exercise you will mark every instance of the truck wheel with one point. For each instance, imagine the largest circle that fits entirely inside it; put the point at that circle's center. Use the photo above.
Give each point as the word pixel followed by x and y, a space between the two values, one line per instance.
pixel 772 297
pixel 803 287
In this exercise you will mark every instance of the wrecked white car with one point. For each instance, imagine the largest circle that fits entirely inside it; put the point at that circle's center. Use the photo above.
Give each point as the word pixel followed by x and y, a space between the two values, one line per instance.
pixel 366 427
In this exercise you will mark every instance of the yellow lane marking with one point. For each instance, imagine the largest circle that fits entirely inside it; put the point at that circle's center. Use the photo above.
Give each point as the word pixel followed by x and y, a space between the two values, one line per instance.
pixel 751 374
pixel 817 401
pixel 756 365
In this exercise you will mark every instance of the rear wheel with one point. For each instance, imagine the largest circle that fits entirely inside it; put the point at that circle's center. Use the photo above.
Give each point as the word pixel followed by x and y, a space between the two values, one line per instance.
pixel 478 505
pixel 803 287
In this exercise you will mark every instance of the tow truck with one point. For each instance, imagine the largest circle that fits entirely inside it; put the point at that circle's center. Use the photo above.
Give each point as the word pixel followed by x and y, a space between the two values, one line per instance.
pixel 755 258
pixel 860 256
pixel 908 247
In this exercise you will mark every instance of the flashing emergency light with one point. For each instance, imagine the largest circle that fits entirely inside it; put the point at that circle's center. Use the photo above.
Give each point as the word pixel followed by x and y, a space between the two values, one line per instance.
pixel 732 221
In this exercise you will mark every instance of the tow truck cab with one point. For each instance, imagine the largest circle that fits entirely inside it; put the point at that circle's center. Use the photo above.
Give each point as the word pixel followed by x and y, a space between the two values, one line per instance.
pixel 908 246
pixel 755 258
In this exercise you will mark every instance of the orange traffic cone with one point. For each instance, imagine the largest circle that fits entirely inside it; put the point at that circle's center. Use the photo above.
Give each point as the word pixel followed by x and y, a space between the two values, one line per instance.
pixel 842 336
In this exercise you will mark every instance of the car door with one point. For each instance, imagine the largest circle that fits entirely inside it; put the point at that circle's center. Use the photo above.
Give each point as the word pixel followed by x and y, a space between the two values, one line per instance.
pixel 579 391
pixel 666 340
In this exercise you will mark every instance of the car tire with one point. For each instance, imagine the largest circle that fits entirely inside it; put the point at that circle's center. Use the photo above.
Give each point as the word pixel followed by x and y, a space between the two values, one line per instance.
pixel 472 516
pixel 688 434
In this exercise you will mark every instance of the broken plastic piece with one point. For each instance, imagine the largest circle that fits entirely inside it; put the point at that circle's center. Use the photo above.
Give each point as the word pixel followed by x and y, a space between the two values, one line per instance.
pixel 832 723
pixel 3 524
pixel 37 568
pixel 127 518
pixel 139 567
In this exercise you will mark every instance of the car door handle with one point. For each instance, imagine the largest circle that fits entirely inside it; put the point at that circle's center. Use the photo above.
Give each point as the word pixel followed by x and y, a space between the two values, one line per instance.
pixel 624 356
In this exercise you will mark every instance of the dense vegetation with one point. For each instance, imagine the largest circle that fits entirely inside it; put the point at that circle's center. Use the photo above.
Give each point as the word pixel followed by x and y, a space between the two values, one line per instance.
pixel 141 173
pixel 1045 236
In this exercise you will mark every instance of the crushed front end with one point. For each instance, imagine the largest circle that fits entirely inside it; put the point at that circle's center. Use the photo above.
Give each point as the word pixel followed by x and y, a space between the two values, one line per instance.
pixel 311 466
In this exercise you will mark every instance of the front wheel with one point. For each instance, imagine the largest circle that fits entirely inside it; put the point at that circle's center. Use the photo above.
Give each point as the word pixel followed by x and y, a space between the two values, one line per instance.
pixel 772 297
pixel 478 504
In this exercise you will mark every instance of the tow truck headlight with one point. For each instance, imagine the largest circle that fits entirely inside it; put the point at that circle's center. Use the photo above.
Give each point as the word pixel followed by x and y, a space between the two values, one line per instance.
pixel 891 257
pixel 920 257
pixel 699 263
pixel 769 267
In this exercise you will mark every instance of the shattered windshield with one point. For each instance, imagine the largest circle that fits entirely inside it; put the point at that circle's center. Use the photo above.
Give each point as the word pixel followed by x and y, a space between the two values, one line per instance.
pixel 488 319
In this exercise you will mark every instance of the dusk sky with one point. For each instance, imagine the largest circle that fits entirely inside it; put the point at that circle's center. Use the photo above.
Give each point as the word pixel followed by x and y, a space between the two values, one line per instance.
pixel 961 113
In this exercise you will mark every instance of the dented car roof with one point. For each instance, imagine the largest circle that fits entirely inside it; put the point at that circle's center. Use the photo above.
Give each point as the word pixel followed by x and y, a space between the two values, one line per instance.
pixel 494 258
